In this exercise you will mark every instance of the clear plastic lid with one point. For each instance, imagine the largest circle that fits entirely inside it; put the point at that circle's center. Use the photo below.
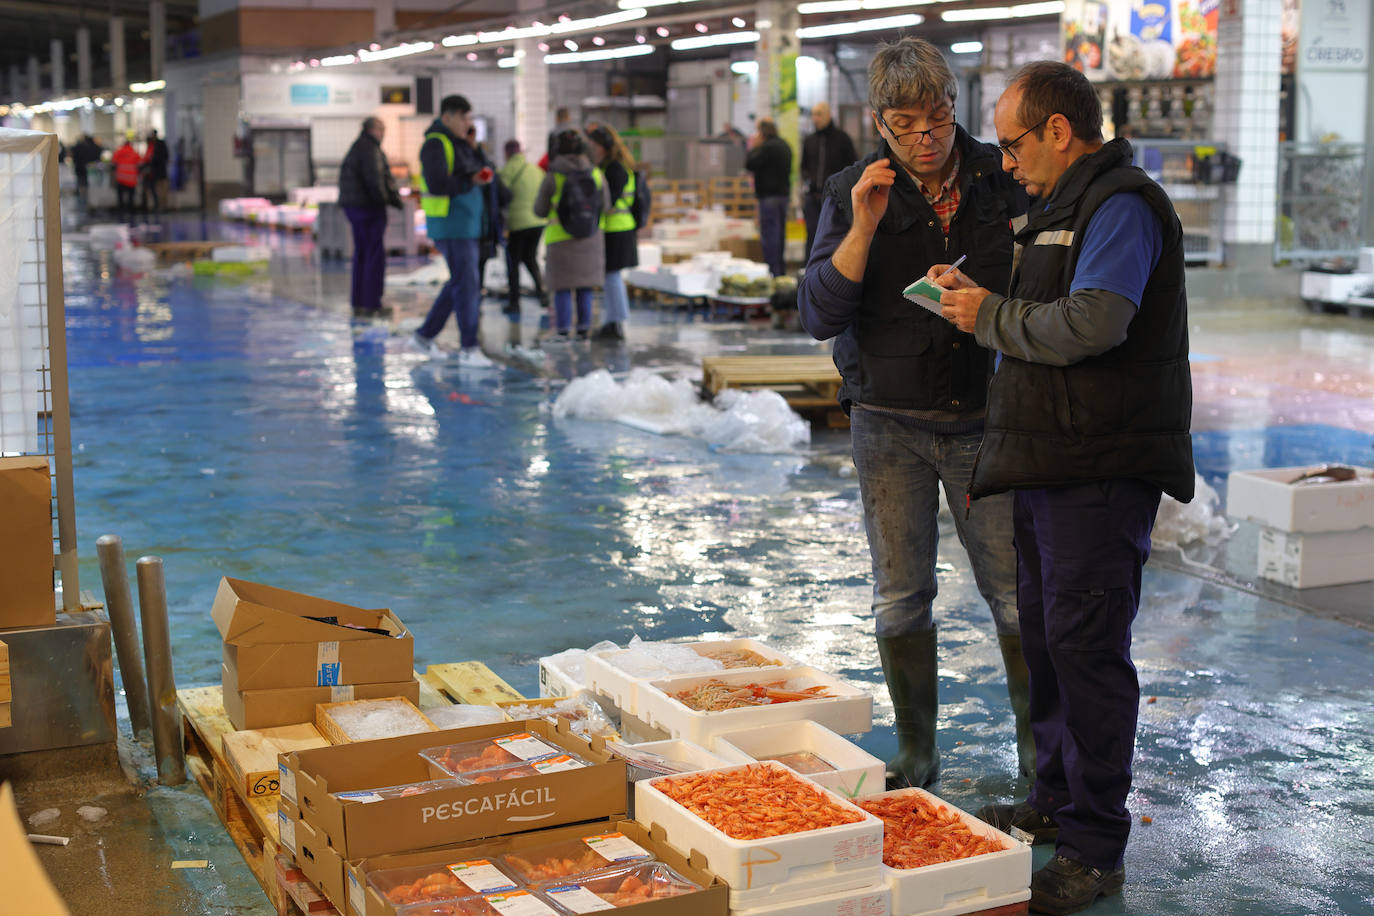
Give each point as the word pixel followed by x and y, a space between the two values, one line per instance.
pixel 567 858
pixel 617 887
pixel 504 750
pixel 367 796
pixel 449 881
pixel 803 762
pixel 520 902
pixel 542 766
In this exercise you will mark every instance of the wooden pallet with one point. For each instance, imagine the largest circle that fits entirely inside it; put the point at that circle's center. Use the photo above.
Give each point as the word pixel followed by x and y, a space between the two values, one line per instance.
pixel 735 195
pixel 808 383
pixel 178 252
pixel 472 682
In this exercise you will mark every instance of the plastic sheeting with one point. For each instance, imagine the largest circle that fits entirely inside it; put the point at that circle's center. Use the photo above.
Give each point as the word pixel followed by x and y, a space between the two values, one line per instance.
pixel 1200 521
pixel 23 353
pixel 738 421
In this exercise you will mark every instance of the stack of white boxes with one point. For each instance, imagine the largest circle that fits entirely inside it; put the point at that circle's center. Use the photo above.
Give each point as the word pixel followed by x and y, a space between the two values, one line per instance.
pixel 1312 532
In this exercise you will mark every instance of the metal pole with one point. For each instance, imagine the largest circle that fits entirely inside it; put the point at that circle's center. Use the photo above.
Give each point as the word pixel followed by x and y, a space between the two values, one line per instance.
pixel 119 603
pixel 157 654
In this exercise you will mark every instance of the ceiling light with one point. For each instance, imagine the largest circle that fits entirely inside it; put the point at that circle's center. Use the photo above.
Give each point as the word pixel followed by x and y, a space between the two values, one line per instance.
pixel 737 22
pixel 966 47
pixel 701 27
pixel 598 40
pixel 661 31
pixel 599 54
pixel 744 67
pixel 458 41
pixel 374 47
pixel 414 47
pixel 1051 8
pixel 640 4
pixel 863 25
pixel 570 44
pixel 712 41
pixel 338 60
pixel 543 46
pixel 506 63
pixel 472 55
pixel 314 62
pixel 152 86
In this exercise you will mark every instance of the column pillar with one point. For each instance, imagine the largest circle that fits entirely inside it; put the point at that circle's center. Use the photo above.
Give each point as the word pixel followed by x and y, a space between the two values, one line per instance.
pixel 83 60
pixel 59 69
pixel 119 74
pixel 531 89
pixel 383 17
pixel 776 53
pixel 35 87
pixel 157 37
pixel 16 85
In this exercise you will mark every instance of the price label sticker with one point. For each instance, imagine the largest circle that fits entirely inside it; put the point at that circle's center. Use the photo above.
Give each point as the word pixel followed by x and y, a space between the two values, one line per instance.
pixel 286 782
pixel 577 898
pixel 557 764
pixel 481 876
pixel 525 746
pixel 286 831
pixel 615 847
pixel 519 903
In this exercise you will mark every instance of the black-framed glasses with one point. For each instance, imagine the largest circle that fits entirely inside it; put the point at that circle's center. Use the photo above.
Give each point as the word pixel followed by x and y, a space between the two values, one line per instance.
pixel 911 138
pixel 1008 148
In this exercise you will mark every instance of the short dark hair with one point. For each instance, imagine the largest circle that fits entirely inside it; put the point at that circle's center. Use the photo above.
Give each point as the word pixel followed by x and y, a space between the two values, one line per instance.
pixel 569 143
pixel 454 103
pixel 561 114
pixel 1050 87
pixel 909 73
pixel 369 123
pixel 512 147
pixel 767 129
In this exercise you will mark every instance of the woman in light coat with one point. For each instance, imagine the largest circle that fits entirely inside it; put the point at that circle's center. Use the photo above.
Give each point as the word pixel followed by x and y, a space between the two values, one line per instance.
pixel 573 265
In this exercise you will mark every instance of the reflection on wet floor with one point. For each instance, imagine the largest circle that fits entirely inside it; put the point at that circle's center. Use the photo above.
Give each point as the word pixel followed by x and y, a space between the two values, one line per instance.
pixel 240 428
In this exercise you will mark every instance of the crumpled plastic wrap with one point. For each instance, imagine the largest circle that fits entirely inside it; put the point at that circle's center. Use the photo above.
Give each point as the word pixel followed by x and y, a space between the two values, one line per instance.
pixel 1200 521
pixel 571 661
pixel 585 716
pixel 660 659
pixel 462 715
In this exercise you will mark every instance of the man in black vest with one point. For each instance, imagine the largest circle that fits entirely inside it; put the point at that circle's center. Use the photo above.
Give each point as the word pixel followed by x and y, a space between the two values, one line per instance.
pixel 914 387
pixel 826 151
pixel 1088 421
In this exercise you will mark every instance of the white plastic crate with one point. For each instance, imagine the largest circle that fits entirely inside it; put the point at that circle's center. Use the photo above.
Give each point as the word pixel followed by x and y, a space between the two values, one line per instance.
pixel 856 773
pixel 623 688
pixel 557 681
pixel 1316 559
pixel 870 900
pixel 828 859
pixel 685 751
pixel 964 885
pixel 848 712
pixel 1267 497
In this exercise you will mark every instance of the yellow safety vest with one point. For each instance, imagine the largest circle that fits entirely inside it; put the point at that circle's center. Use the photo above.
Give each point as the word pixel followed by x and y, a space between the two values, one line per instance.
pixel 434 204
pixel 554 231
pixel 620 218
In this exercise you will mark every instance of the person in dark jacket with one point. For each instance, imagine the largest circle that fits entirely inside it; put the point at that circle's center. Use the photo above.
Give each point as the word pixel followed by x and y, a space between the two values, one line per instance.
pixel 366 189
pixel 770 159
pixel 85 153
pixel 914 386
pixel 1089 420
pixel 155 159
pixel 495 199
pixel 826 151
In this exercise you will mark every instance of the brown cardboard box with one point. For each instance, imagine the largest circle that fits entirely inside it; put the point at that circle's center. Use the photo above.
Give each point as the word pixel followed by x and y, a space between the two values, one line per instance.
pixel 26 557
pixel 748 249
pixel 270 642
pixel 712 900
pixel 293 705
pixel 454 815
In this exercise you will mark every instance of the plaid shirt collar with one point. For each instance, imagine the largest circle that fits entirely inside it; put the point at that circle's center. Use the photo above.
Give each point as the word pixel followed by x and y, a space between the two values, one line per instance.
pixel 946 201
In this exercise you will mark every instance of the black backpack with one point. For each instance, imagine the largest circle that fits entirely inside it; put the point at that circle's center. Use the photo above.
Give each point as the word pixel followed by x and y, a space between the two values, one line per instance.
pixel 643 201
pixel 579 205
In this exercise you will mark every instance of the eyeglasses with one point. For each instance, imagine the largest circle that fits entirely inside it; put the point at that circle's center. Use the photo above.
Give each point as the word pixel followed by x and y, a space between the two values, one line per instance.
pixel 1008 148
pixel 911 138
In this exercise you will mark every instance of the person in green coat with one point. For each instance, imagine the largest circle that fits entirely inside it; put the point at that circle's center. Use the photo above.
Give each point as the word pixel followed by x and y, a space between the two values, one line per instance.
pixel 522 178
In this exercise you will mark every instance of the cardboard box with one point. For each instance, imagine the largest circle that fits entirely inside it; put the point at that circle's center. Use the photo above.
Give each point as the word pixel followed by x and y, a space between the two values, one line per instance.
pixel 271 642
pixel 712 900
pixel 252 754
pixel 26 551
pixel 748 249
pixel 455 815
pixel 293 705
pixel 1315 560
pixel 331 719
pixel 1269 498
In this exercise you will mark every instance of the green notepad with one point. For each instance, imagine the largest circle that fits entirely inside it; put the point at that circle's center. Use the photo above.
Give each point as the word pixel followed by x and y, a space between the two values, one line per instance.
pixel 925 294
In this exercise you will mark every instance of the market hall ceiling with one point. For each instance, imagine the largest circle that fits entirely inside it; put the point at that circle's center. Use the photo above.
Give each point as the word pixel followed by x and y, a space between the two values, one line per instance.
pixel 27 27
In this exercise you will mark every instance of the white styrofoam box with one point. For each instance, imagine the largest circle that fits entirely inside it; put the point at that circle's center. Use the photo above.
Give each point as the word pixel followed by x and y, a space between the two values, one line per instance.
pixel 556 681
pixel 856 773
pixel 872 900
pixel 240 253
pixel 327 194
pixel 1335 288
pixel 650 254
pixel 963 885
pixel 1311 560
pixel 684 751
pixel 1366 264
pixel 849 711
pixel 636 731
pixel 605 678
pixel 836 858
pixel 1268 498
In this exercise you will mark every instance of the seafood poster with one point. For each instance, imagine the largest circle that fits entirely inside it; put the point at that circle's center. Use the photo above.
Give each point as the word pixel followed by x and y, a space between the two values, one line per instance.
pixel 1127 40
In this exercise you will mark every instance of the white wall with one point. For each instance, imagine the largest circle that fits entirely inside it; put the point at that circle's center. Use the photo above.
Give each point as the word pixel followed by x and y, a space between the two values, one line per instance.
pixel 492 94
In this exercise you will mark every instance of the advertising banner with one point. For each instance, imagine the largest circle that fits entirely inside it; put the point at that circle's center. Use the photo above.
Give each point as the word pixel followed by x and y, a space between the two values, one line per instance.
pixel 1141 39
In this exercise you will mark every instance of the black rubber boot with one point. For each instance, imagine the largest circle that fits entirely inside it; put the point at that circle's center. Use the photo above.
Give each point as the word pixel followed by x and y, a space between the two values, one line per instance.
pixel 910 669
pixel 1018 688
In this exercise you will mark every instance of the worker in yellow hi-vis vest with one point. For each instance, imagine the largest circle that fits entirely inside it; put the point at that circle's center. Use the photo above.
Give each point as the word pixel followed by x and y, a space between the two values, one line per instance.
pixel 451 182
pixel 609 153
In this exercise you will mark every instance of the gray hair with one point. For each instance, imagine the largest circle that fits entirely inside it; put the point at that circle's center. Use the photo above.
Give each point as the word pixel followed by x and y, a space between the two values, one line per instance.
pixel 909 73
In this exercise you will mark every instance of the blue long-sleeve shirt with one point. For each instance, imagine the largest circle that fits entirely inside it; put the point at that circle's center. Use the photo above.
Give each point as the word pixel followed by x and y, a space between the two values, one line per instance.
pixel 826 298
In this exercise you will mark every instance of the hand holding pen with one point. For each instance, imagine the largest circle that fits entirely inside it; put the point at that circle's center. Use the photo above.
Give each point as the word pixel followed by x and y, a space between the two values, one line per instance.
pixel 948 276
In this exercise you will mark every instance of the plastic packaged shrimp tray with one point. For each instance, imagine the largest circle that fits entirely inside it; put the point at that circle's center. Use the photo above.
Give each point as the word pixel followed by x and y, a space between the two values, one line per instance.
pixel 699 707
pixel 811 749
pixel 941 861
pixel 620 674
pixel 768 832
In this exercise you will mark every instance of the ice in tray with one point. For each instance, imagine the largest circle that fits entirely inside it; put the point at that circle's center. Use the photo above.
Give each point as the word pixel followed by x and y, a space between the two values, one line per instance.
pixel 618 887
pixel 569 858
pixel 368 720
pixel 506 750
pixel 368 796
pixel 803 762
pixel 434 883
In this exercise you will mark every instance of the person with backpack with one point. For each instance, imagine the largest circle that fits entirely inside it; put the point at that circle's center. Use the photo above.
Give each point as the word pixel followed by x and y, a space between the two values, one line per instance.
pixel 573 196
pixel 452 185
pixel 618 225
pixel 523 227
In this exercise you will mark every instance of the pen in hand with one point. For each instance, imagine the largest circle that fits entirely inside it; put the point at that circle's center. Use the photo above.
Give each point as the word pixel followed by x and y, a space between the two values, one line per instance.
pixel 951 267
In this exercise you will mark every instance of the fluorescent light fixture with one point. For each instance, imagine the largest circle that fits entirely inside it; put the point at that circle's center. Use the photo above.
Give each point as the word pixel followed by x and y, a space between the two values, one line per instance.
pixel 745 67
pixel 1051 8
pixel 507 63
pixel 414 47
pixel 863 25
pixel 575 57
pixel 640 4
pixel 338 60
pixel 600 22
pixel 738 23
pixel 570 44
pixel 851 6
pixel 152 86
pixel 712 41
pixel 966 47
pixel 458 41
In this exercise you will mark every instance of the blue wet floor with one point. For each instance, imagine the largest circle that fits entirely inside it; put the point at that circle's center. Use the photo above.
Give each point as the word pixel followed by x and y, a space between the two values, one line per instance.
pixel 238 428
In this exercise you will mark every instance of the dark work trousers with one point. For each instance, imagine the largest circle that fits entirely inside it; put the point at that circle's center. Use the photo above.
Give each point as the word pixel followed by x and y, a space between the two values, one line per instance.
pixel 811 212
pixel 521 247
pixel 124 199
pixel 369 256
pixel 1079 552
pixel 772 231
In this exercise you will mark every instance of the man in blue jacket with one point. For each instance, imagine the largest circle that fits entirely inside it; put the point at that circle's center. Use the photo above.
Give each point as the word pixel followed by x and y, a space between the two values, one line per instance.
pixel 914 386
pixel 452 179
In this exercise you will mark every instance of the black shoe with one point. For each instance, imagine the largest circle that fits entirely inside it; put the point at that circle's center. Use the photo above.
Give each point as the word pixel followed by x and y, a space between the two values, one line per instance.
pixel 583 333
pixel 1066 886
pixel 611 330
pixel 1022 817
pixel 512 312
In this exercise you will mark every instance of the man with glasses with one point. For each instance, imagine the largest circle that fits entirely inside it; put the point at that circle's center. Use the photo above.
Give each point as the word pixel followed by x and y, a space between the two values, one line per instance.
pixel 1088 421
pixel 914 386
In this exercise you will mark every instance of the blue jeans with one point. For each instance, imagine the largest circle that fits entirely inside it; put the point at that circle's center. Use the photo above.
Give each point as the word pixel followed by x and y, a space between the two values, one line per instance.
pixel 900 468
pixel 461 295
pixel 369 256
pixel 617 300
pixel 562 309
pixel 772 219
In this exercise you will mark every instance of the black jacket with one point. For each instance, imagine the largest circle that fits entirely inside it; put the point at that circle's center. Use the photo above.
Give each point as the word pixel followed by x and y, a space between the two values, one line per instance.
pixel 365 178
pixel 157 159
pixel 1123 413
pixel 895 353
pixel 771 163
pixel 824 153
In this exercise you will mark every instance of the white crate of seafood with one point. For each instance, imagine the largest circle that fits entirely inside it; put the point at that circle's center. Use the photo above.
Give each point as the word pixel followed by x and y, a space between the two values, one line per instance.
pixel 606 676
pixel 812 750
pixel 870 900
pixel 682 706
pixel 960 886
pixel 785 866
pixel 687 752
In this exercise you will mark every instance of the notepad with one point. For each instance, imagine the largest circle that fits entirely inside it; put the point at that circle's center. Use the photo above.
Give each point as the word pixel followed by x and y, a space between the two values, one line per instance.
pixel 925 294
